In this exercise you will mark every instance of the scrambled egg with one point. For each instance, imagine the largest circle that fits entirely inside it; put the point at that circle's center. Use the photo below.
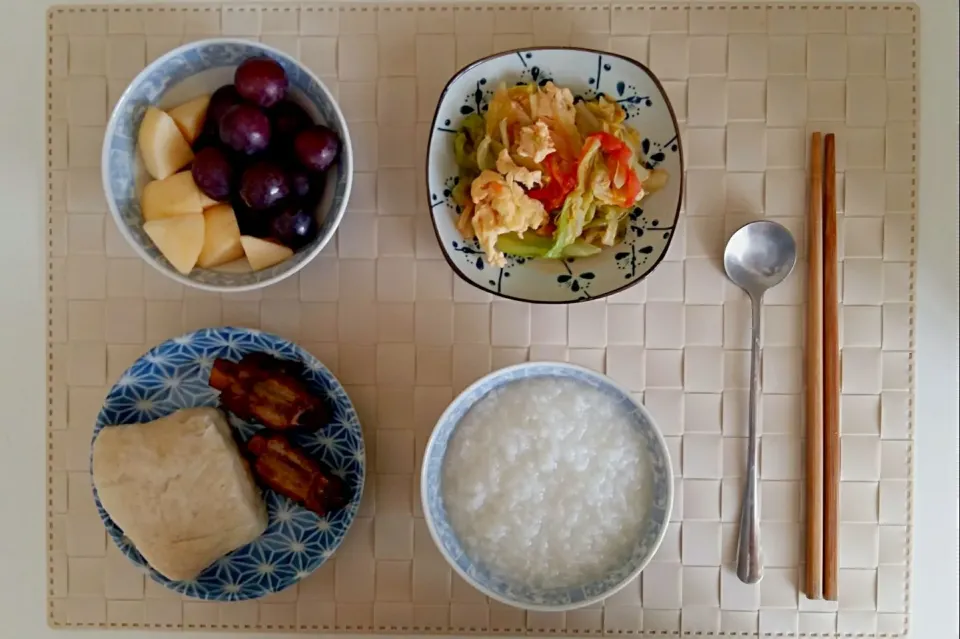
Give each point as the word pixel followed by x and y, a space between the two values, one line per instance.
pixel 535 142
pixel 500 206
pixel 514 173
pixel 554 103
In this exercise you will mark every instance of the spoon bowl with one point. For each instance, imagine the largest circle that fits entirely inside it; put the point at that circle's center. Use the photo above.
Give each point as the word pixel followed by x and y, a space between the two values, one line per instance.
pixel 759 255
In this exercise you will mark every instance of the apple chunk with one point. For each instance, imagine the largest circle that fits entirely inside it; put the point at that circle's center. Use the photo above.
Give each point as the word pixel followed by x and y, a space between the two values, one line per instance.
pixel 162 146
pixel 221 237
pixel 179 238
pixel 175 195
pixel 263 253
pixel 189 117
pixel 205 200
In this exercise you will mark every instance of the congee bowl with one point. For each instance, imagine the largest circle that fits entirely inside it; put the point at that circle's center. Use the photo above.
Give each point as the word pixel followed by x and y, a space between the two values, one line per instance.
pixel 187 72
pixel 587 74
pixel 658 473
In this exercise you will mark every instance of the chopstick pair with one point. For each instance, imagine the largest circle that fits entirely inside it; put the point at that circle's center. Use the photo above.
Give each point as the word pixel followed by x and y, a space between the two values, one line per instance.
pixel 822 374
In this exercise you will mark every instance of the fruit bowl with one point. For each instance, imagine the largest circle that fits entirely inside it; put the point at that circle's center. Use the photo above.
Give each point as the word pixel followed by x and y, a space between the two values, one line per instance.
pixel 177 78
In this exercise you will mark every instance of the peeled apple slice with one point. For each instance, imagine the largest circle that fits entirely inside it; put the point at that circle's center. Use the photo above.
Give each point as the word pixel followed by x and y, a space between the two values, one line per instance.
pixel 221 237
pixel 176 195
pixel 189 117
pixel 205 201
pixel 162 147
pixel 179 238
pixel 263 253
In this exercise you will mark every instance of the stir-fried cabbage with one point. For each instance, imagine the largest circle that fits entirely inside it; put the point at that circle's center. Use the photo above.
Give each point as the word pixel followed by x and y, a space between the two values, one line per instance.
pixel 539 160
pixel 579 204
pixel 501 206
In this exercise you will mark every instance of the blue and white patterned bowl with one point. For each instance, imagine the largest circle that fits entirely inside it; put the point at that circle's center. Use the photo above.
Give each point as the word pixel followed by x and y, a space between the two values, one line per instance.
pixel 174 375
pixel 587 73
pixel 180 75
pixel 520 595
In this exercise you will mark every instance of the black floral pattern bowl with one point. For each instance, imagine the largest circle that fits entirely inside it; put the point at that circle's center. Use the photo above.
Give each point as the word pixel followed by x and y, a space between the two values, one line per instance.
pixel 586 73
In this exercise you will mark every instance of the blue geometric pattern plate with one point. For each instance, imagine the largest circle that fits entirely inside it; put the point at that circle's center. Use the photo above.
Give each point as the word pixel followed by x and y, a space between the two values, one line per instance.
pixel 174 375
pixel 196 69
pixel 521 595
pixel 587 73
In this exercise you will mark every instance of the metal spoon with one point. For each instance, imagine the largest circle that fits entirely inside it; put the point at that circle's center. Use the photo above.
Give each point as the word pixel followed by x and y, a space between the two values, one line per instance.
pixel 758 256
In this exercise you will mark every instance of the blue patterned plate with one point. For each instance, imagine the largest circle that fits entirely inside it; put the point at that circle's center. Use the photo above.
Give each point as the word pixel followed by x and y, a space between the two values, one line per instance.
pixel 196 69
pixel 174 375
pixel 587 73
pixel 520 595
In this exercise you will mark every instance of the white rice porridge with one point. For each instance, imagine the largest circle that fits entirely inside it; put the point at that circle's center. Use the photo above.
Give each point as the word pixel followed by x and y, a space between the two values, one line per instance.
pixel 546 482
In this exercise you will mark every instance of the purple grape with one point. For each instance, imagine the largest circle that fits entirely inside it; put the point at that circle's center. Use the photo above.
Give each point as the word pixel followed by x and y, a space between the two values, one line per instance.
pixel 220 102
pixel 288 118
pixel 246 129
pixel 264 185
pixel 293 227
pixel 261 81
pixel 255 223
pixel 207 138
pixel 212 172
pixel 306 187
pixel 240 162
pixel 317 147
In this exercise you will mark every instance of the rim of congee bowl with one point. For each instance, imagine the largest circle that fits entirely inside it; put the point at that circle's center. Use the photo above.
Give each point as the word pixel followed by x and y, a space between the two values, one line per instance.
pixel 346 147
pixel 433 130
pixel 432 526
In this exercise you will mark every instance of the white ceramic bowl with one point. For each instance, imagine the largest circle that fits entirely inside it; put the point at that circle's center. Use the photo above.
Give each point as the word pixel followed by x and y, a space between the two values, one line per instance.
pixel 180 75
pixel 497 587
pixel 586 73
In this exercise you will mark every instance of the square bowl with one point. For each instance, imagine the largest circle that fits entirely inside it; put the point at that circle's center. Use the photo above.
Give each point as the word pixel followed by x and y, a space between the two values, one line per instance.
pixel 587 74
pixel 189 71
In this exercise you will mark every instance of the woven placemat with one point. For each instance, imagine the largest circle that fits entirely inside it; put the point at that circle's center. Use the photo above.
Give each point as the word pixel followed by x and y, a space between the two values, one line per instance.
pixel 382 309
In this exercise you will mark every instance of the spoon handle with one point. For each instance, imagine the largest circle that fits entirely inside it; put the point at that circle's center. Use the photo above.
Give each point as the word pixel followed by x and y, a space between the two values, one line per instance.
pixel 749 566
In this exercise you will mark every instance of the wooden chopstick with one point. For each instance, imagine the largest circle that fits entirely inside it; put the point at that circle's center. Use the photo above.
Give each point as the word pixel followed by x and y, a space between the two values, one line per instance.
pixel 814 374
pixel 831 374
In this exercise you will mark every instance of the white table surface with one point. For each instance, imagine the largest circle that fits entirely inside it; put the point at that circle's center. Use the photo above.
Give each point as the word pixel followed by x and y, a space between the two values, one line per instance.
pixel 22 329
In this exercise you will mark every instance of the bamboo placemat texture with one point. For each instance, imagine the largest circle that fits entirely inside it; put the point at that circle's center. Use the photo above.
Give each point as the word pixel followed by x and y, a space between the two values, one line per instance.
pixel 382 309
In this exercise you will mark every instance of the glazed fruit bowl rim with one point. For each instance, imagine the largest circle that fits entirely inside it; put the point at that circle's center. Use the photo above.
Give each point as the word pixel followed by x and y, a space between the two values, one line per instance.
pixel 335 205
